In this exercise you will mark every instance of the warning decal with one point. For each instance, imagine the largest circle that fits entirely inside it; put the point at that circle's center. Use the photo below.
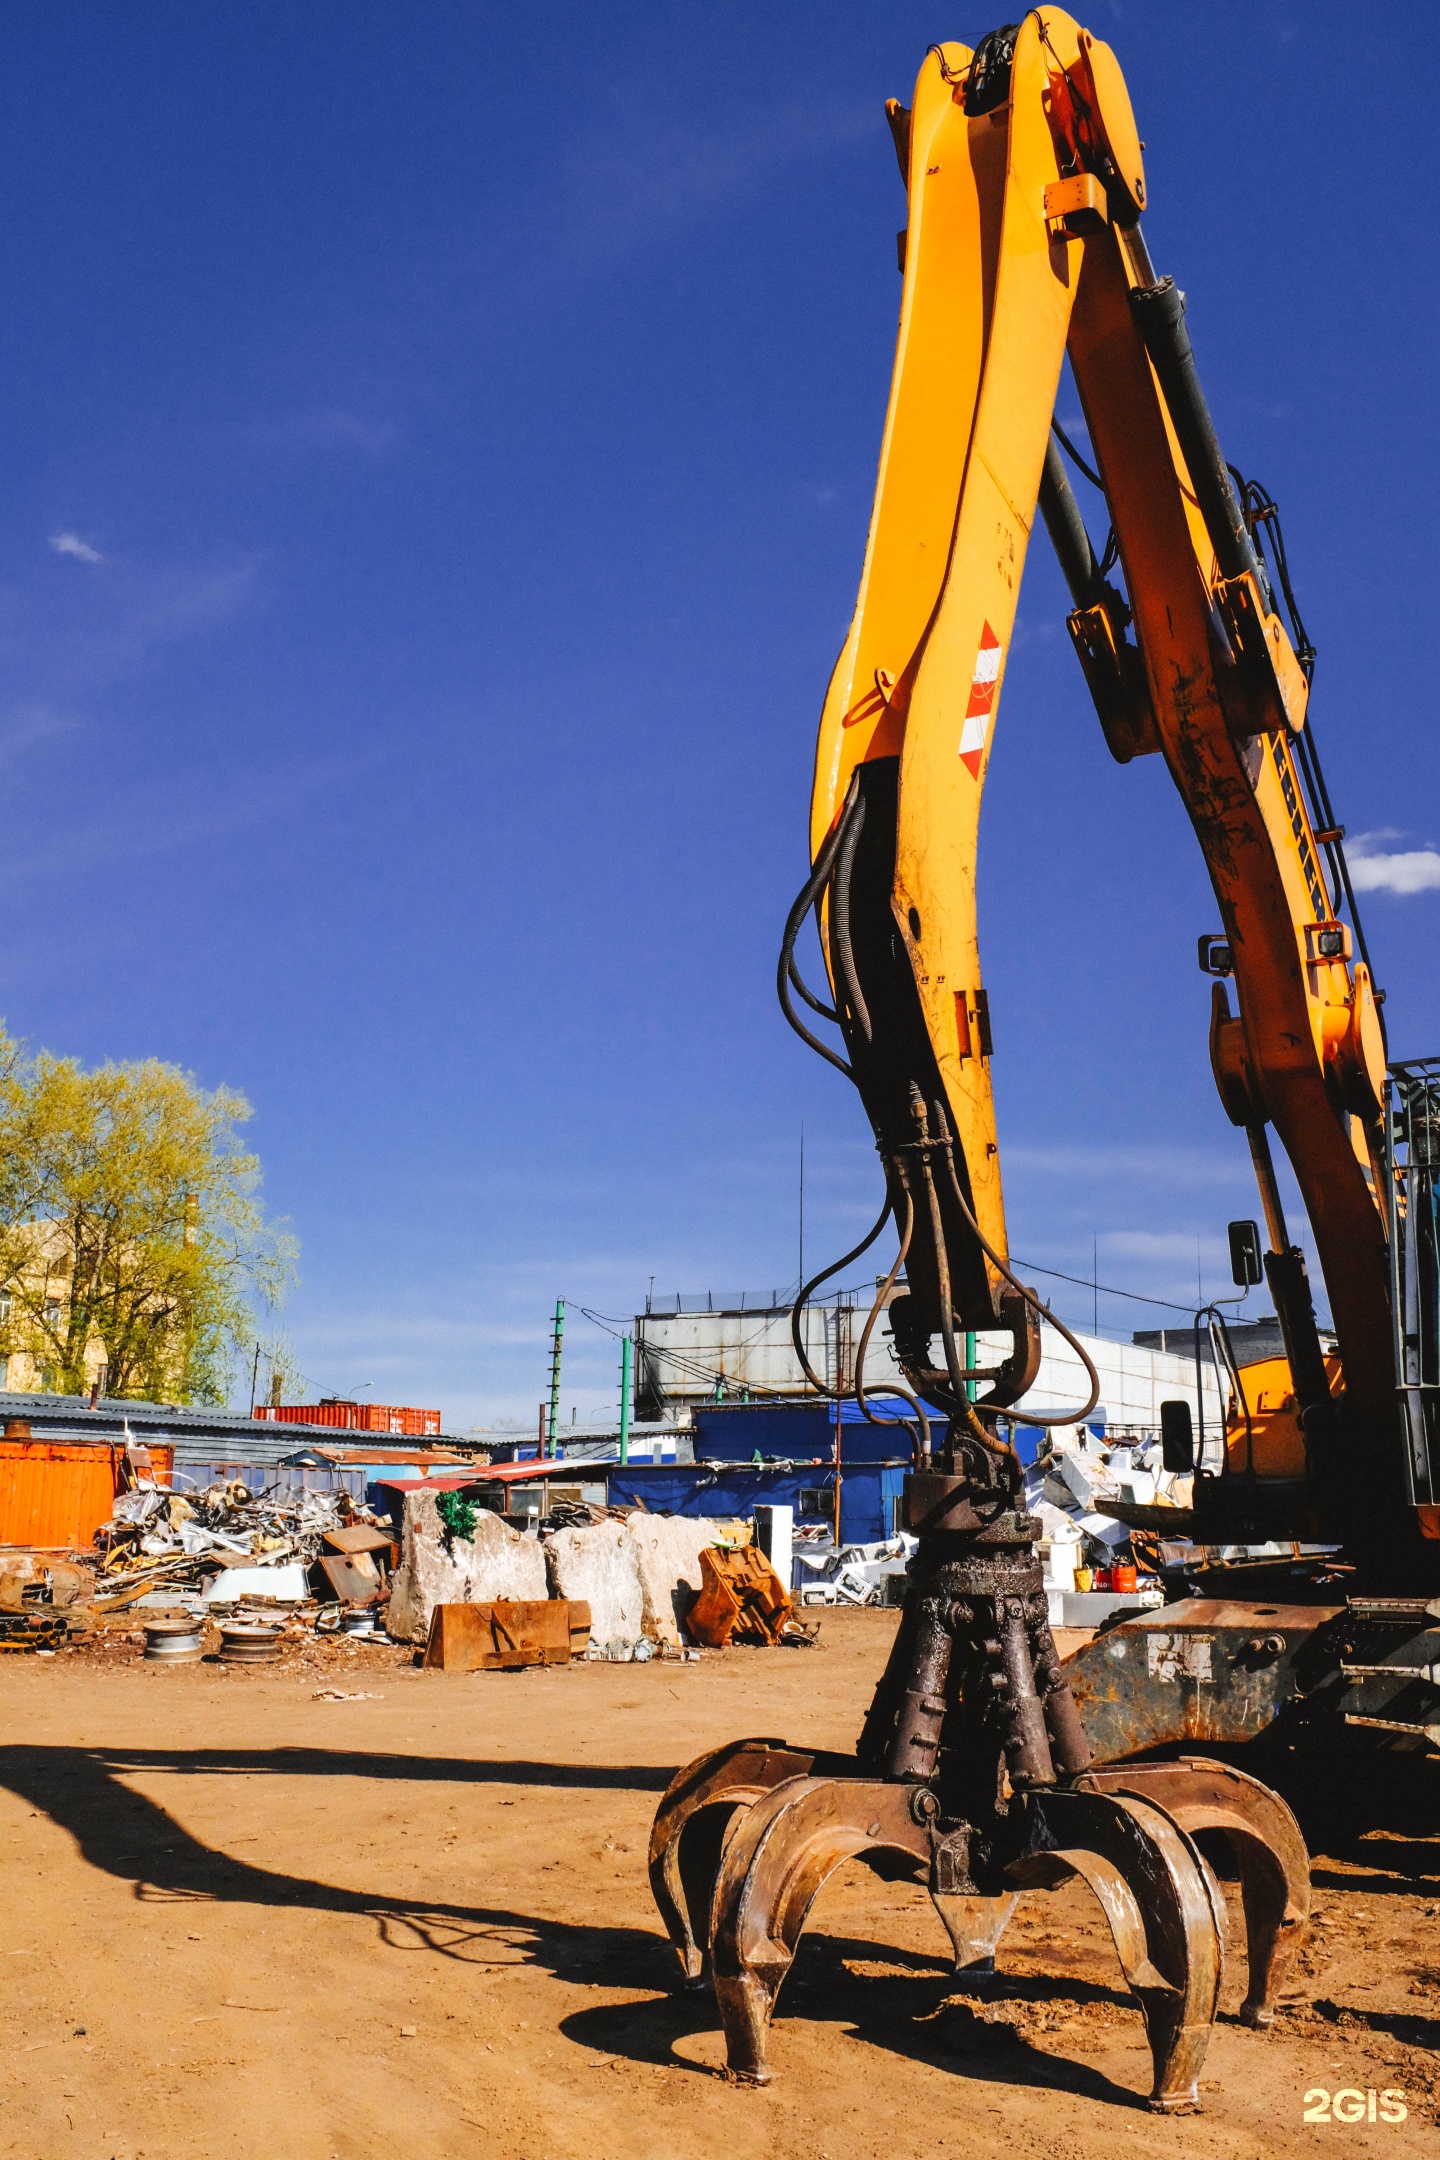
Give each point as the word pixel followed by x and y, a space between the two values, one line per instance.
pixel 983 685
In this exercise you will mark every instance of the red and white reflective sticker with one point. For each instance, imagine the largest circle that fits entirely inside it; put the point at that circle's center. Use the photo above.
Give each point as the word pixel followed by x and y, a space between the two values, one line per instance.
pixel 983 685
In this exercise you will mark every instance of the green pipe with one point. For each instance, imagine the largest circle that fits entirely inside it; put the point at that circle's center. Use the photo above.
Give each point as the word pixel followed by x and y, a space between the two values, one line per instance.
pixel 553 1433
pixel 627 1354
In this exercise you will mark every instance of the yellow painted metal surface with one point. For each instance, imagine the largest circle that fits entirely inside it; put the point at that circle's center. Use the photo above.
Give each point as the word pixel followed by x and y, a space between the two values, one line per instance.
pixel 997 287
pixel 1275 1445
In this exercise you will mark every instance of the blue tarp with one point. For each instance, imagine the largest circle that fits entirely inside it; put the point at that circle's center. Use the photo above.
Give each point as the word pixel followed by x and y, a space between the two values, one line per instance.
pixel 781 1431
pixel 786 1431
pixel 867 1492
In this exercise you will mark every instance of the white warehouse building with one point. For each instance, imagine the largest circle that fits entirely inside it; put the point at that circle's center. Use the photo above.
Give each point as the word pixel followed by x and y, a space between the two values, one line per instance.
pixel 737 1347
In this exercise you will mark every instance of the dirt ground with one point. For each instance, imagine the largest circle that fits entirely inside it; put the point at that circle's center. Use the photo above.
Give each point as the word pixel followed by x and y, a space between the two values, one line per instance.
pixel 239 1920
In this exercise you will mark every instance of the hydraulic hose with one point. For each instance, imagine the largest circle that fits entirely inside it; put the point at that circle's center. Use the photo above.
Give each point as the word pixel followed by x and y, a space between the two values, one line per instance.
pixel 840 941
pixel 797 1310
pixel 1033 1300
pixel 922 1436
pixel 813 887
pixel 1159 312
pixel 1068 535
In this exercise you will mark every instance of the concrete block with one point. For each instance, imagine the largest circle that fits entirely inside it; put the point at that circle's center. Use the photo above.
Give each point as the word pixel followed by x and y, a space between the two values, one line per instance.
pixel 497 1563
pixel 600 1566
pixel 667 1559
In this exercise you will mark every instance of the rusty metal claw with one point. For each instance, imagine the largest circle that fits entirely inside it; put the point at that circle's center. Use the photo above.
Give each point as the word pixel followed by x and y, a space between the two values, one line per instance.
pixel 776 1862
pixel 974 1770
pixel 1269 1850
pixel 1165 1915
pixel 1151 1883
pixel 690 1828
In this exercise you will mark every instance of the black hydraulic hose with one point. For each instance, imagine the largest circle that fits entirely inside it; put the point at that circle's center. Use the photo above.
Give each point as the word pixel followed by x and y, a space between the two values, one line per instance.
pixel 1159 312
pixel 1066 528
pixel 840 941
pixel 798 982
pixel 1074 456
pixel 1029 1417
pixel 942 1257
pixel 814 886
pixel 1308 757
pixel 797 1310
pixel 922 1435
pixel 1222 1353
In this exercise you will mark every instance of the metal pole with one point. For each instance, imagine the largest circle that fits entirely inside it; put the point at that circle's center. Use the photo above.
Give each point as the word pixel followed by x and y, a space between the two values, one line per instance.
pixel 556 1346
pixel 627 1353
pixel 837 1467
pixel 802 1209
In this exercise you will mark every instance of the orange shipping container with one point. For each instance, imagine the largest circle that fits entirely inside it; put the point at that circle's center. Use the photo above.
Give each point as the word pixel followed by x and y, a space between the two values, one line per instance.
pixel 56 1493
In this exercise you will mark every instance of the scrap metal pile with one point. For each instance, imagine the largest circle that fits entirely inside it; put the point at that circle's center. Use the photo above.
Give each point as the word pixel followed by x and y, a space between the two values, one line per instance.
pixel 856 1574
pixel 214 1542
pixel 1069 1490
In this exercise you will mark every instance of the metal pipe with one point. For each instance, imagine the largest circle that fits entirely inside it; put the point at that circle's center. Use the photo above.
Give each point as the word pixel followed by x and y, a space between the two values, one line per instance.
pixel 1135 255
pixel 553 1433
pixel 915 1744
pixel 1027 1746
pixel 1159 312
pixel 1066 527
pixel 627 1353
pixel 1264 1163
pixel 839 1400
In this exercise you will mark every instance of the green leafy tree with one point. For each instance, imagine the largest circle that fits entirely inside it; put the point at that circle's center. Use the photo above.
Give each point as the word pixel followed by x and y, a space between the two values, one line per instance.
pixel 131 1238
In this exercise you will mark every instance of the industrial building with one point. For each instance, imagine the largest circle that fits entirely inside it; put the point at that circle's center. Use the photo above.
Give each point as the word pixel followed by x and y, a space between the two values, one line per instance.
pixel 695 1351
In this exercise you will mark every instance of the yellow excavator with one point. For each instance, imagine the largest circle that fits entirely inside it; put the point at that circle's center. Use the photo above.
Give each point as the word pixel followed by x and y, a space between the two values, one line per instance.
pixel 984 1761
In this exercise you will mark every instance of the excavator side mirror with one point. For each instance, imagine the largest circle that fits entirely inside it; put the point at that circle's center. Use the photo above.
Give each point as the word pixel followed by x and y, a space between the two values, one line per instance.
pixel 1177 1436
pixel 1246 1266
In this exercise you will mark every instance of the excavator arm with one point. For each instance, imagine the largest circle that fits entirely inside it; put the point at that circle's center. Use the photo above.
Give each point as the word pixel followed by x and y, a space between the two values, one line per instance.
pixel 1025 187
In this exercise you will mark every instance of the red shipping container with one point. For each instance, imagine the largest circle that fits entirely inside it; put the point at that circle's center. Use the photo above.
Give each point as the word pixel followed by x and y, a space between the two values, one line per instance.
pixel 357 1417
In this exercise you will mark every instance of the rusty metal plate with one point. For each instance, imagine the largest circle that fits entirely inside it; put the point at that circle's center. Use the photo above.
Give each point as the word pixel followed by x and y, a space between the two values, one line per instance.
pixel 1206 1670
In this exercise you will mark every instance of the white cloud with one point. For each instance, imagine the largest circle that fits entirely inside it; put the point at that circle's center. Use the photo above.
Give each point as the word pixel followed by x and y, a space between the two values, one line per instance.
pixel 1396 870
pixel 69 543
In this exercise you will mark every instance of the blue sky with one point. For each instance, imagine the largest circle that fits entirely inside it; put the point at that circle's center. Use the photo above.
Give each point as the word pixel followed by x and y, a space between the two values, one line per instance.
pixel 437 444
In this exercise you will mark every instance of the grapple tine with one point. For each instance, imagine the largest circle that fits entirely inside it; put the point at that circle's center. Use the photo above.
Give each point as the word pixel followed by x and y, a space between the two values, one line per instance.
pixel 775 1864
pixel 684 1862
pixel 1269 1850
pixel 974 1924
pixel 1151 1885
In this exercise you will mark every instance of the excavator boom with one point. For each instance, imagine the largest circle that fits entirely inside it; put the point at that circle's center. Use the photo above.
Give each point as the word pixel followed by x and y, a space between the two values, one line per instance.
pixel 976 1766
pixel 1025 189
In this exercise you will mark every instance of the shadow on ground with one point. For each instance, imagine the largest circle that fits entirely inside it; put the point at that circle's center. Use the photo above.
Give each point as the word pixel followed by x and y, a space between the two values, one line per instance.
pixel 132 1838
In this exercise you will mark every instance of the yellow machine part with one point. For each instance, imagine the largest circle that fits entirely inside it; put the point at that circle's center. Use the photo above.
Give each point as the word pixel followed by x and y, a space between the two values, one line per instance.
pixel 1275 1437
pixel 989 285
